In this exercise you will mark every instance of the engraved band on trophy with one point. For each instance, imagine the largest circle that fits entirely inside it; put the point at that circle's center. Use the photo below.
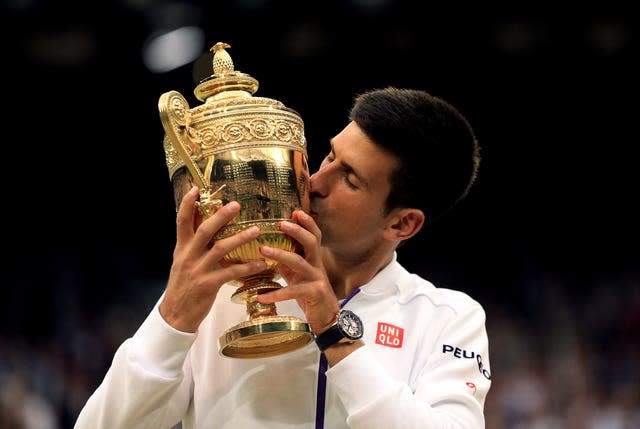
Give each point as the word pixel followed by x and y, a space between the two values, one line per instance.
pixel 252 150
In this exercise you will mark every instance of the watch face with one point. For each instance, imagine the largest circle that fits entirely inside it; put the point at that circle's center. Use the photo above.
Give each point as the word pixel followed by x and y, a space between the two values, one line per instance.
pixel 350 325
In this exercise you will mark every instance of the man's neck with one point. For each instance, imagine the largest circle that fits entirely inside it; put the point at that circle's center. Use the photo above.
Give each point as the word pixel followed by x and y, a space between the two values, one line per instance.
pixel 348 274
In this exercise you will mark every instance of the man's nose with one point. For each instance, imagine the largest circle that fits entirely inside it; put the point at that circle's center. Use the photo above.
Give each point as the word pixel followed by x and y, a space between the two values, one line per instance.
pixel 319 180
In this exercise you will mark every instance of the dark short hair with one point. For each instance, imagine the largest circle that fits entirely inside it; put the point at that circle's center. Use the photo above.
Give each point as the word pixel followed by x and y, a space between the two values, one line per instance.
pixel 438 151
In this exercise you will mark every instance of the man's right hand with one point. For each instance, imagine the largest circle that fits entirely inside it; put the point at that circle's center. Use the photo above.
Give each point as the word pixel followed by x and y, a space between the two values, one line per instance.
pixel 196 274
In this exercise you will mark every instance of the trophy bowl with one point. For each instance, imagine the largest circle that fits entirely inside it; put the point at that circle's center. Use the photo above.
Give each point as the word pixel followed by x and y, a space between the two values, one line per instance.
pixel 236 147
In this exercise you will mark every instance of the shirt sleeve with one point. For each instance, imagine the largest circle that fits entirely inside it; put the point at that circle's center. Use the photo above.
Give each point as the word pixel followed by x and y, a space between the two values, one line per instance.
pixel 449 392
pixel 148 384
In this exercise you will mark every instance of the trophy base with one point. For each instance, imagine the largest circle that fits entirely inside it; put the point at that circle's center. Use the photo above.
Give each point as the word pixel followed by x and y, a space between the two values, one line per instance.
pixel 265 336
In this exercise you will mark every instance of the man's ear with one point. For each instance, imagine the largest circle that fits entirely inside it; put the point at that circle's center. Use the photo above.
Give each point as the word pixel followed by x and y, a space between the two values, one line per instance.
pixel 404 223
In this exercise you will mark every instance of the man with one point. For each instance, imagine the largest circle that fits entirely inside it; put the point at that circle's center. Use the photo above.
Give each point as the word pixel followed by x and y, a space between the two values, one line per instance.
pixel 404 159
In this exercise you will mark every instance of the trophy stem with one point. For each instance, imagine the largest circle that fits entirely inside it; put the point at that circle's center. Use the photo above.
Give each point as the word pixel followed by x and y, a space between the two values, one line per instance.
pixel 258 283
pixel 249 291
pixel 265 333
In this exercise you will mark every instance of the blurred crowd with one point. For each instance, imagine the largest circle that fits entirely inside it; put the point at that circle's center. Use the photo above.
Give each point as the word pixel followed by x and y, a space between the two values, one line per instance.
pixel 569 358
pixel 561 358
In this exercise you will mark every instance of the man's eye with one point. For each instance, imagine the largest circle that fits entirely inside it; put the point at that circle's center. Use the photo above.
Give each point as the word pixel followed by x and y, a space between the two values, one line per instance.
pixel 347 181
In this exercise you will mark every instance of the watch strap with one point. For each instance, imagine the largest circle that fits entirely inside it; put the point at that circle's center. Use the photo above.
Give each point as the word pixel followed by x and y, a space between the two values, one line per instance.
pixel 329 337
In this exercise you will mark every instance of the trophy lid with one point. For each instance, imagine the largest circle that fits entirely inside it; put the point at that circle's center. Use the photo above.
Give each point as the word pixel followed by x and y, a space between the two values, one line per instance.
pixel 224 77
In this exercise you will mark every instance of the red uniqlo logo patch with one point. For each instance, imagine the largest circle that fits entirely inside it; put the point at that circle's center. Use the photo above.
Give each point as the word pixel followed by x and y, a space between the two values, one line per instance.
pixel 389 335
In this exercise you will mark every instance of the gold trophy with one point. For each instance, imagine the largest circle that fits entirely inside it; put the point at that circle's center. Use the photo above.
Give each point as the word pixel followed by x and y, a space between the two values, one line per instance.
pixel 252 150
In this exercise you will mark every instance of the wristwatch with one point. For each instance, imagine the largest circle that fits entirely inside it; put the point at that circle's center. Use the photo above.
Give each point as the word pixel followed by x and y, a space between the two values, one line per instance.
pixel 347 328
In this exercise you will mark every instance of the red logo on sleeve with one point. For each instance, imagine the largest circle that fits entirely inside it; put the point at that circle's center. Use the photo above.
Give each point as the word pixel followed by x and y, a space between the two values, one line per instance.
pixel 389 335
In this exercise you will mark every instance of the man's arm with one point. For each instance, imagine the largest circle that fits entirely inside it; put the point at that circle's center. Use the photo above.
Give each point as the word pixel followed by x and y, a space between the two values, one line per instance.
pixel 148 384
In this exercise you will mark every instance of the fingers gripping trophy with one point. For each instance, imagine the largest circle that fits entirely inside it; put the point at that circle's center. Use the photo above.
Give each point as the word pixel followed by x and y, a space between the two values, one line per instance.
pixel 252 150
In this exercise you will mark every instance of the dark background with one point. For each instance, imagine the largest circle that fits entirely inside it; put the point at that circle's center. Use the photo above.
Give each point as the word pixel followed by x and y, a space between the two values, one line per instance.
pixel 548 235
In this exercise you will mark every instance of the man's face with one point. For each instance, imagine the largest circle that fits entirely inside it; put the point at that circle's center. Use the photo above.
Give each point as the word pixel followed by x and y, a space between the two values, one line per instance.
pixel 349 190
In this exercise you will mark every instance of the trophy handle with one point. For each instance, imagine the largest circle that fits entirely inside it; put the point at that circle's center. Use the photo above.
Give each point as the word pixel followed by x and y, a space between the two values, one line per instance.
pixel 175 116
